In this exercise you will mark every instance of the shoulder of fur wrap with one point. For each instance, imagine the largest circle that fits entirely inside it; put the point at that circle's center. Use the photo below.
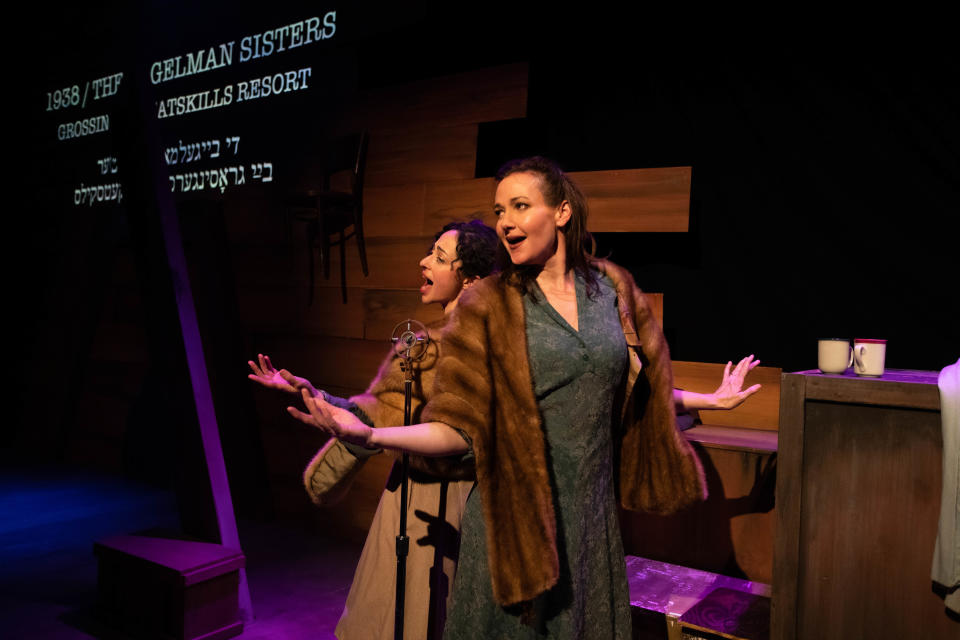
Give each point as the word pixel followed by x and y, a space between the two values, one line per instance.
pixel 659 470
pixel 628 295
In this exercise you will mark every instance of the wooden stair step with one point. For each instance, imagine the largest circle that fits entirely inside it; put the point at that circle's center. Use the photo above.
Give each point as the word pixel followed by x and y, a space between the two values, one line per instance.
pixel 170 588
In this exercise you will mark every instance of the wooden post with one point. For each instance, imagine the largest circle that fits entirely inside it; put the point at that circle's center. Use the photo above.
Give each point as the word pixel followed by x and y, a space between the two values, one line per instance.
pixel 783 612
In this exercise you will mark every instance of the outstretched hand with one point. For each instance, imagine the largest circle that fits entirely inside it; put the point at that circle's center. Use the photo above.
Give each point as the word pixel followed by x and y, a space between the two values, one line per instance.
pixel 335 421
pixel 265 374
pixel 731 394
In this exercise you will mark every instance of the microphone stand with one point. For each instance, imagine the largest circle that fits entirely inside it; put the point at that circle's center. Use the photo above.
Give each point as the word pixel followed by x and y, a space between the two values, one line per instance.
pixel 410 347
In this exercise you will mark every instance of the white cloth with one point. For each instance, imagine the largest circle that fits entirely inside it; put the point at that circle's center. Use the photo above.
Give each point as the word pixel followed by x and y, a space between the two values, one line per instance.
pixel 946 553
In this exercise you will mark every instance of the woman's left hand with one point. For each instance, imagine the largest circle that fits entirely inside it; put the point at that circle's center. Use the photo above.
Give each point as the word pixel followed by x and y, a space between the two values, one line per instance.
pixel 266 374
pixel 335 421
pixel 731 394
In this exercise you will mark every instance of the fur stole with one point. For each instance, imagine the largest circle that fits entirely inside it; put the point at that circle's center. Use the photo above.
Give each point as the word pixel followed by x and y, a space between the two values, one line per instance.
pixel 484 387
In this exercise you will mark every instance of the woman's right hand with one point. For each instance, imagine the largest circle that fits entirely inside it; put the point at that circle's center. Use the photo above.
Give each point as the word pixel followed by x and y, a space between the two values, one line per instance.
pixel 265 374
pixel 335 421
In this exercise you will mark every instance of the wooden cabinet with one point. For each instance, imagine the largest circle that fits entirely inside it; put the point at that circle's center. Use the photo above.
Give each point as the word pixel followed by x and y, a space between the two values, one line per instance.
pixel 858 497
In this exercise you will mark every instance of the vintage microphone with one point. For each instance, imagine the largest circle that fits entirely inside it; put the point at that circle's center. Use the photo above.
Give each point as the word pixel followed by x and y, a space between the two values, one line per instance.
pixel 410 342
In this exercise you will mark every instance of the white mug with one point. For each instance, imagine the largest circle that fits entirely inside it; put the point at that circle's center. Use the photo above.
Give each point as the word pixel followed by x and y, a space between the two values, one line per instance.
pixel 868 356
pixel 834 355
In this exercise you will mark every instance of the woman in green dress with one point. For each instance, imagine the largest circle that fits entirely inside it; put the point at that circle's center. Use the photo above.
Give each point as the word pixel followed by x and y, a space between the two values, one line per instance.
pixel 558 378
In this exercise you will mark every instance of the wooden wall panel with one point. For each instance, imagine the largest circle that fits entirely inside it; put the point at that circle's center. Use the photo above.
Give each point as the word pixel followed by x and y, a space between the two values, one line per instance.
pixel 760 411
pixel 394 264
pixel 383 309
pixel 458 200
pixel 327 361
pixel 351 363
pixel 749 485
pixel 415 156
pixel 629 200
pixel 273 265
pixel 637 199
pixel 399 231
pixel 392 211
pixel 392 261
pixel 282 307
pixel 731 533
pixel 368 313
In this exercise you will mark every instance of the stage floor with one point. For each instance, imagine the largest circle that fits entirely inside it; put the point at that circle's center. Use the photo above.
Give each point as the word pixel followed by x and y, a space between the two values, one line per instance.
pixel 49 519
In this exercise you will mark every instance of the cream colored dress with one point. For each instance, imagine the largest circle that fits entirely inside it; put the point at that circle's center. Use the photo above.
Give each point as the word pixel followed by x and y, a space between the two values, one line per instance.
pixel 437 493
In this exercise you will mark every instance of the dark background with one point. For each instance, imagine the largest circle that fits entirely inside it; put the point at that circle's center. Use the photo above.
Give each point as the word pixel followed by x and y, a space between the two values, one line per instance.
pixel 826 176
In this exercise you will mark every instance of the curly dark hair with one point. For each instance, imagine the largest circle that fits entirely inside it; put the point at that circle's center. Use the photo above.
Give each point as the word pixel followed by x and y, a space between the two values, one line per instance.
pixel 476 247
pixel 555 186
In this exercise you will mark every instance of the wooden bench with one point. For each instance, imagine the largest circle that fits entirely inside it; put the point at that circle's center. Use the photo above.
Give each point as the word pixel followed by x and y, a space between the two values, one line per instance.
pixel 730 536
pixel 732 532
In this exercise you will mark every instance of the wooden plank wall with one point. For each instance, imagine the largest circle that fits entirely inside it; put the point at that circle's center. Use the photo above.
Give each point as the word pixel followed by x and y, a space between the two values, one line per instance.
pixel 732 533
pixel 761 411
pixel 420 175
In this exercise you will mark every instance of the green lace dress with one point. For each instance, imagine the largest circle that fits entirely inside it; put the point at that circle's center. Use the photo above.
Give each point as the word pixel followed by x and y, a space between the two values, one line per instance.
pixel 575 375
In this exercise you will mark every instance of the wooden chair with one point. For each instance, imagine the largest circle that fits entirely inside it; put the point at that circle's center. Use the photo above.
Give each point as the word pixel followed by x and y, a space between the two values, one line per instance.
pixel 329 212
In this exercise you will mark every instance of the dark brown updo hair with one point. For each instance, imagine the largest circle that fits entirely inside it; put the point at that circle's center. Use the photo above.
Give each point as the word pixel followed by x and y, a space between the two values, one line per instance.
pixel 555 186
pixel 476 247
